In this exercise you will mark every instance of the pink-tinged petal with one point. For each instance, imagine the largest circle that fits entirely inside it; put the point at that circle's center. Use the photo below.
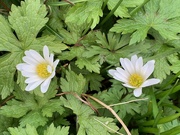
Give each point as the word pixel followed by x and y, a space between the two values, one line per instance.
pixel 147 69
pixel 33 79
pixel 127 65
pixel 32 86
pixel 30 60
pixel 45 85
pixel 36 56
pixel 137 92
pixel 134 59
pixel 128 86
pixel 150 82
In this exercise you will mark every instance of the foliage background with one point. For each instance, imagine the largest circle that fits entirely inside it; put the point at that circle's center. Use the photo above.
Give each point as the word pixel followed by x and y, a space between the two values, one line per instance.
pixel 89 37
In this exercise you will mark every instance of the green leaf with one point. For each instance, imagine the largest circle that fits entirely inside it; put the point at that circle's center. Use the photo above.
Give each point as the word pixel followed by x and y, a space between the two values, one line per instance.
pixel 7 38
pixel 174 60
pixel 118 94
pixel 89 124
pixel 10 110
pixel 86 12
pixel 90 64
pixel 5 122
pixel 94 81
pixel 29 130
pixel 7 62
pixel 34 118
pixel 122 10
pixel 75 51
pixel 157 15
pixel 7 70
pixel 73 83
pixel 33 109
pixel 96 125
pixel 28 19
pixel 162 68
pixel 51 130
pixel 76 106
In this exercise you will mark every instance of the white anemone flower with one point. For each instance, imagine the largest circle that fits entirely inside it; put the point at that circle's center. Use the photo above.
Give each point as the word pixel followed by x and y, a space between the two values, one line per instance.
pixel 134 75
pixel 38 70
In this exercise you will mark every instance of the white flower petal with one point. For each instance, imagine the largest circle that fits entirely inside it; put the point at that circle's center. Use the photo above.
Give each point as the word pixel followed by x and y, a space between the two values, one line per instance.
pixel 127 65
pixel 128 86
pixel 52 74
pixel 137 92
pixel 28 74
pixel 33 79
pixel 120 77
pixel 29 68
pixel 150 82
pixel 49 69
pixel 147 69
pixel 45 85
pixel 32 86
pixel 51 58
pixel 55 64
pixel 123 72
pixel 46 53
pixel 139 64
pixel 116 75
pixel 134 59
pixel 111 72
pixel 36 56
pixel 20 66
pixel 29 60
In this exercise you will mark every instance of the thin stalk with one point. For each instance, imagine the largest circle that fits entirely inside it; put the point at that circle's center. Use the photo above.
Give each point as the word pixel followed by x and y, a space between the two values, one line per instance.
pixel 154 103
pixel 111 13
pixel 108 127
pixel 138 8
pixel 111 110
pixel 65 2
pixel 53 31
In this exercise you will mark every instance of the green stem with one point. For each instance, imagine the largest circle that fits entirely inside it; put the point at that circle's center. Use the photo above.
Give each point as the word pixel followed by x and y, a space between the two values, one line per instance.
pixel 111 13
pixel 104 4
pixel 168 93
pixel 138 8
pixel 171 81
pixel 53 31
pixel 154 103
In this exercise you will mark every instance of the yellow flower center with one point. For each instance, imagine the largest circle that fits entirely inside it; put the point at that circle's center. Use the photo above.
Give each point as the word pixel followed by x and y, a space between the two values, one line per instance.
pixel 41 70
pixel 135 80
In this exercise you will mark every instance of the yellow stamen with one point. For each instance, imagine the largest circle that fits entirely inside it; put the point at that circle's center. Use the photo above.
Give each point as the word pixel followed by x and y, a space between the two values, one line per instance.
pixel 135 80
pixel 41 70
